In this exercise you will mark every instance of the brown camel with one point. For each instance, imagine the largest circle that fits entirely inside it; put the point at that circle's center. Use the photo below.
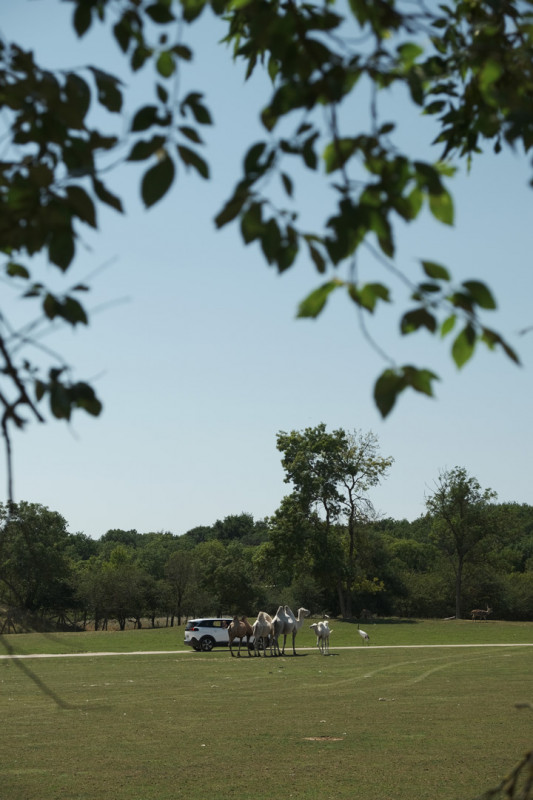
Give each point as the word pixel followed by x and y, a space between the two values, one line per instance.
pixel 239 629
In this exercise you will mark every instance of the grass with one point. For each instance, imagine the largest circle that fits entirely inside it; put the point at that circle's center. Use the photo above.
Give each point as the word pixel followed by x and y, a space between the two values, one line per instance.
pixel 379 724
pixel 382 632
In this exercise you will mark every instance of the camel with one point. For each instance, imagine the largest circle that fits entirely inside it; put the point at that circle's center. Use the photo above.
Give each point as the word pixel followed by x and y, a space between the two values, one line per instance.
pixel 277 629
pixel 263 629
pixel 322 631
pixel 286 622
pixel 239 629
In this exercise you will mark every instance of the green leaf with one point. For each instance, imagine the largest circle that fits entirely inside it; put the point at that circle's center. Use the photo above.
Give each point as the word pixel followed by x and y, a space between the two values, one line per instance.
pixel 122 34
pixel 253 157
pixel 165 64
pixel 61 248
pixel 409 52
pixel 82 18
pixel 314 303
pixel 192 9
pixel 308 152
pixel 191 159
pixel 17 270
pixel 82 205
pixel 191 134
pixel 109 95
pixel 387 388
pixel 59 400
pixel 367 296
pixel 271 240
pixel 419 318
pixel 252 224
pixel 157 181
pixel 463 346
pixel 144 118
pixel 144 149
pixel 162 93
pixel 338 152
pixel 106 196
pixel 435 271
pixel 68 308
pixel 160 13
pixel 420 379
pixel 441 206
pixel 182 51
pixel 198 109
pixel 318 259
pixel 448 325
pixel 491 72
pixel 40 390
pixel 83 396
pixel 491 338
pixel 392 383
pixel 481 294
pixel 233 207
pixel 287 183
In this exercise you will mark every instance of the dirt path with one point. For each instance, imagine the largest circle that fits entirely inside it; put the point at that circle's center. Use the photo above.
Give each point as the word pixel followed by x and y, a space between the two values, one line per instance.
pixel 191 652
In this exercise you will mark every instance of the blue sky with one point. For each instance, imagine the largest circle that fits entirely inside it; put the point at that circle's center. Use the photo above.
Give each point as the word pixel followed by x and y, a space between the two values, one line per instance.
pixel 196 352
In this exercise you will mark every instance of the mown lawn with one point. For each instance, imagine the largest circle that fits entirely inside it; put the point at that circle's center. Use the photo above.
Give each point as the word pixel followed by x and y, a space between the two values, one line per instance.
pixel 382 632
pixel 372 723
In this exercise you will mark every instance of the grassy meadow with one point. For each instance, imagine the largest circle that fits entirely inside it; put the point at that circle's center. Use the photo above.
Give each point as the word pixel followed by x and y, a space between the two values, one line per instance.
pixel 371 722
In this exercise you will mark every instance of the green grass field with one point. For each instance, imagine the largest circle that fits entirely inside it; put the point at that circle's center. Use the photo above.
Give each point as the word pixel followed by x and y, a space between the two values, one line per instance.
pixel 367 722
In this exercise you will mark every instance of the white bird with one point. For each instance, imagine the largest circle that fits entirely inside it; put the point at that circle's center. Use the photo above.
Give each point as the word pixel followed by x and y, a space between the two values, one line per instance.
pixel 364 635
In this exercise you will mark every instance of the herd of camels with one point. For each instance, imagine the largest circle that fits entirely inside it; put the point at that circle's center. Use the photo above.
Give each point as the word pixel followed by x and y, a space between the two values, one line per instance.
pixel 267 630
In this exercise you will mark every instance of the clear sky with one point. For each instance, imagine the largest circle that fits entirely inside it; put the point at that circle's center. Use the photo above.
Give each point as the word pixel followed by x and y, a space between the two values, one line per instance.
pixel 196 352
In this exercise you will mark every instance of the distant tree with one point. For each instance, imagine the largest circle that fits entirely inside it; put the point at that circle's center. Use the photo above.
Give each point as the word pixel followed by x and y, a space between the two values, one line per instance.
pixel 112 538
pixel 240 527
pixel 331 474
pixel 125 587
pixel 462 519
pixel 34 567
pixel 81 546
pixel 154 550
pixel 181 577
pixel 202 533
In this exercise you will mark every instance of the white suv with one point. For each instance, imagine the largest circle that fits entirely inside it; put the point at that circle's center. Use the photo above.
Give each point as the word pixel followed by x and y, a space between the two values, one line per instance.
pixel 204 634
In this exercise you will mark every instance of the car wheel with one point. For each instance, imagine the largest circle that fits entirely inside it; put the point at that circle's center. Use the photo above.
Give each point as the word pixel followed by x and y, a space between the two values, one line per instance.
pixel 207 643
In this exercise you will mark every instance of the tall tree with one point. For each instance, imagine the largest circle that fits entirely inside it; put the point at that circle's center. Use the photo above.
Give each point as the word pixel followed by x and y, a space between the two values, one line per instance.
pixel 181 575
pixel 465 65
pixel 33 563
pixel 331 474
pixel 462 519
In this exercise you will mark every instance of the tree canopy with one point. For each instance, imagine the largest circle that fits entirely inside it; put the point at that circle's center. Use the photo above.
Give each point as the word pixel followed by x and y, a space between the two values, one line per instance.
pixel 331 474
pixel 462 520
pixel 465 64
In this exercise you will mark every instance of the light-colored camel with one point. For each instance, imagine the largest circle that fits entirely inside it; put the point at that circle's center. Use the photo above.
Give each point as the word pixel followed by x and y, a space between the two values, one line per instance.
pixel 263 629
pixel 322 631
pixel 239 629
pixel 277 628
pixel 285 622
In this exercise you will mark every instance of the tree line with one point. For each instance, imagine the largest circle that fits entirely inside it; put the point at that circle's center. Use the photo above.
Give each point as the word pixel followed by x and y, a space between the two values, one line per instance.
pixel 325 547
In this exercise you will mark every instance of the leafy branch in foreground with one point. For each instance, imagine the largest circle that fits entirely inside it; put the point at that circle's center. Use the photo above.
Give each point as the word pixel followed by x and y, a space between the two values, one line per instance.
pixel 466 65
